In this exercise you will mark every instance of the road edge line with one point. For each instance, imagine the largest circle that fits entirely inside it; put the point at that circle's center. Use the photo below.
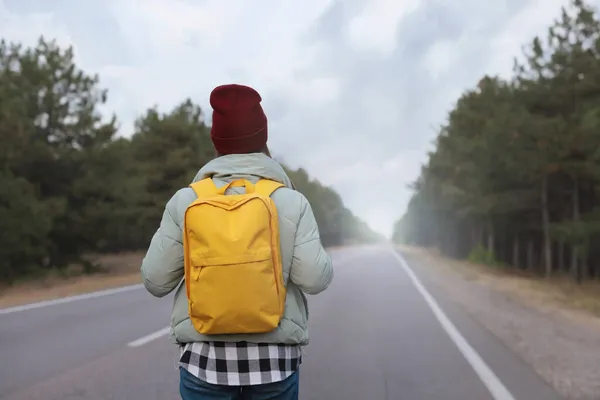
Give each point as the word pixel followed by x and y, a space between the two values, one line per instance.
pixel 483 371
pixel 69 299
pixel 149 337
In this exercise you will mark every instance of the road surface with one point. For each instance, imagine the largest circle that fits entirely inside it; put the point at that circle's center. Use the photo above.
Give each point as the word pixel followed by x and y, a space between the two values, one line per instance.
pixel 381 331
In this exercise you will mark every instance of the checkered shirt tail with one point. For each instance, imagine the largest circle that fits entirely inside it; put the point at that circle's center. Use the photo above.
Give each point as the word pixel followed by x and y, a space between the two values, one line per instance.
pixel 240 364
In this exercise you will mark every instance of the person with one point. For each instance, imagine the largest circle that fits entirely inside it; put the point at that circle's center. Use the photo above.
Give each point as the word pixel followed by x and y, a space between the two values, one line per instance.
pixel 252 365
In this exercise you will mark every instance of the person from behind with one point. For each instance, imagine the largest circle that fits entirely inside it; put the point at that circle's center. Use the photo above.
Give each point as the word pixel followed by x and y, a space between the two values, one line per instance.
pixel 242 248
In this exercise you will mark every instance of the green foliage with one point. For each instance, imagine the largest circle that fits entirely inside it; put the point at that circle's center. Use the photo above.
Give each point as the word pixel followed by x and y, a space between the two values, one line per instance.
pixel 25 222
pixel 481 255
pixel 69 186
pixel 516 167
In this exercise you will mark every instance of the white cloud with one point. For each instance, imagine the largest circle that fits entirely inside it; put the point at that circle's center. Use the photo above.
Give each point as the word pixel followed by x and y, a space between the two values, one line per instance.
pixel 18 27
pixel 352 88
pixel 440 58
pixel 159 28
pixel 376 27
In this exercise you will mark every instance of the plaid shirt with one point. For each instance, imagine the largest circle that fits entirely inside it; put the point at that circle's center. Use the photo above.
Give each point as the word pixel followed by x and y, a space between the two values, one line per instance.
pixel 241 363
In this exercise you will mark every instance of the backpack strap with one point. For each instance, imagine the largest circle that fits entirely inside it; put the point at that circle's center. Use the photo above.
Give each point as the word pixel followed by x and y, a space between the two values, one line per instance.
pixel 266 187
pixel 204 188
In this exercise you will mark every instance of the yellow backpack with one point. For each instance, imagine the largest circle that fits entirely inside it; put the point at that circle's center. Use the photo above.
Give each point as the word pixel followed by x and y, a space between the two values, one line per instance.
pixel 233 271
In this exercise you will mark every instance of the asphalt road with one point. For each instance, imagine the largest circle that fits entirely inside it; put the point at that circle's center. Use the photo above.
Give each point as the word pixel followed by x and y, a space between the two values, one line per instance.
pixel 379 332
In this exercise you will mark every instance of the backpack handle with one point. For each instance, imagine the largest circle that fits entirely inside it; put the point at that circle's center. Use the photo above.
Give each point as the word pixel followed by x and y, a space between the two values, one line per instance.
pixel 237 183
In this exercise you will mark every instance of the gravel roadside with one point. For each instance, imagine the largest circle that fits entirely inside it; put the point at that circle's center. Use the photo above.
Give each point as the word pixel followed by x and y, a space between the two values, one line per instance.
pixel 562 344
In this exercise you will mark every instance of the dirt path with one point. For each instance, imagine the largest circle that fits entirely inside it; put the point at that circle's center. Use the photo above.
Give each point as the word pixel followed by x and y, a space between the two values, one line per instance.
pixel 118 270
pixel 553 326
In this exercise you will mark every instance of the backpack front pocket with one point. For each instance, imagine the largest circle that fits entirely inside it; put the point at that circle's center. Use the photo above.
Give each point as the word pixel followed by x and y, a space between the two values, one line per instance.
pixel 235 295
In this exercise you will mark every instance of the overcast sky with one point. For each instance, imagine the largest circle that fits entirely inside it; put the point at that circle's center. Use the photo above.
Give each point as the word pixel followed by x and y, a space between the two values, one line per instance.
pixel 353 89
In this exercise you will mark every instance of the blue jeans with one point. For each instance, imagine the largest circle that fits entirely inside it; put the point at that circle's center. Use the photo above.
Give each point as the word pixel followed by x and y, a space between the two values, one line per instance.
pixel 192 388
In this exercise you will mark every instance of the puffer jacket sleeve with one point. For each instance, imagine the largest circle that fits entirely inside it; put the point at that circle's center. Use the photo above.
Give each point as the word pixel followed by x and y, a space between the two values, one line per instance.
pixel 162 268
pixel 312 269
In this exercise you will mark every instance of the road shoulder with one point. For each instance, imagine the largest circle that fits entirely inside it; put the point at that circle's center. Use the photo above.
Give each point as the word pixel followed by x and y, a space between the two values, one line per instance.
pixel 117 270
pixel 561 343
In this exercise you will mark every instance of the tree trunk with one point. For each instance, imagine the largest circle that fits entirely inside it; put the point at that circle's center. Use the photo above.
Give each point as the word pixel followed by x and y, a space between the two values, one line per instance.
pixel 477 236
pixel 585 270
pixel 515 255
pixel 490 239
pixel 576 217
pixel 561 256
pixel 530 250
pixel 546 227
pixel 574 263
pixel 474 237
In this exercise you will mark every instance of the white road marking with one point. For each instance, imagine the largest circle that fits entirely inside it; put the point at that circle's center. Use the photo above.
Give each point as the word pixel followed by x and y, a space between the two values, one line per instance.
pixel 487 376
pixel 69 299
pixel 148 338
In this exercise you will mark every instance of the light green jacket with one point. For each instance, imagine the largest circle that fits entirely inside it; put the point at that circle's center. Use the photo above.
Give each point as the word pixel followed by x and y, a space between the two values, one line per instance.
pixel 307 267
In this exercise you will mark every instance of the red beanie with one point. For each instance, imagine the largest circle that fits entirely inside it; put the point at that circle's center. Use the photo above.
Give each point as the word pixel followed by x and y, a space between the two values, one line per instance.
pixel 239 124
